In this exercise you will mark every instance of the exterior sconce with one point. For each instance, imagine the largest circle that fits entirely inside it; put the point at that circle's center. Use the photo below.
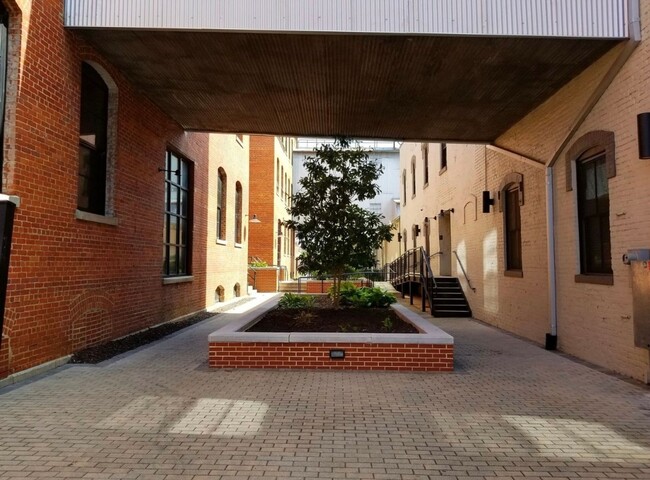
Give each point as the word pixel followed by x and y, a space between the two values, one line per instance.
pixel 487 201
pixel 643 123
pixel 399 237
pixel 254 219
pixel 416 230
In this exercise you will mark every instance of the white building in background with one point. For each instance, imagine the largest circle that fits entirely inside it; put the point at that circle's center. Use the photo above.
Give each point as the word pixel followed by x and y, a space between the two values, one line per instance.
pixel 385 153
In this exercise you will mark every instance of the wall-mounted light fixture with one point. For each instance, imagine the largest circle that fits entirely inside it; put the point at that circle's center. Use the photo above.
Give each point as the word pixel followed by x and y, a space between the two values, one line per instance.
pixel 254 219
pixel 416 230
pixel 444 212
pixel 399 237
pixel 487 201
pixel 643 124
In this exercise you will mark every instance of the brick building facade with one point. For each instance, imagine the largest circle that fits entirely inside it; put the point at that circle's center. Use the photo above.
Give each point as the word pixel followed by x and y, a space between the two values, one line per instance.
pixel 589 122
pixel 271 189
pixel 135 245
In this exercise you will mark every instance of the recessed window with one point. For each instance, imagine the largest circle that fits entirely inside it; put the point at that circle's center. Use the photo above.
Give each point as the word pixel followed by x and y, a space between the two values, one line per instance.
pixel 178 216
pixel 277 176
pixel 512 222
pixel 593 215
pixel 93 142
pixel 404 186
pixel 425 162
pixel 443 157
pixel 238 212
pixel 413 176
pixel 222 191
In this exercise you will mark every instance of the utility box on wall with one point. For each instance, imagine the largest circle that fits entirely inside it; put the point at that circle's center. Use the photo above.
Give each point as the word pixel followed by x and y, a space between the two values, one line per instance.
pixel 639 260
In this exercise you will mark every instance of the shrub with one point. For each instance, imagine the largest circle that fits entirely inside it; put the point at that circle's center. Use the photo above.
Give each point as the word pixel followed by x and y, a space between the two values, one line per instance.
pixel 292 300
pixel 364 297
pixel 258 264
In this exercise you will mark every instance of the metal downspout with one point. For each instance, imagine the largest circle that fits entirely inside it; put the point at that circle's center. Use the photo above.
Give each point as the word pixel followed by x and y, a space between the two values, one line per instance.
pixel 551 339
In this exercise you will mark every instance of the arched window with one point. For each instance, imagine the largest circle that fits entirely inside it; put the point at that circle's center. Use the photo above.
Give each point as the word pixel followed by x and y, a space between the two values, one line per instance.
pixel 593 158
pixel 405 240
pixel 413 175
pixel 443 157
pixel 97 111
pixel 222 190
pixel 277 176
pixel 425 162
pixel 511 193
pixel 238 212
pixel 404 186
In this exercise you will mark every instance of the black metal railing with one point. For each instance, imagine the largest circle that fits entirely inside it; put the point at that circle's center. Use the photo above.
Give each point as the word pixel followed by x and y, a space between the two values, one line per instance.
pixel 413 268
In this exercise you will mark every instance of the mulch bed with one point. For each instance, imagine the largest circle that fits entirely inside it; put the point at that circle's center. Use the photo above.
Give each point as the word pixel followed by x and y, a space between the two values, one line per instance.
pixel 327 319
pixel 105 351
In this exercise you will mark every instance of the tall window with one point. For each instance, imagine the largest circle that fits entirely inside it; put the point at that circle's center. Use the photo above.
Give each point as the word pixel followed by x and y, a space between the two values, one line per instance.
pixel 222 190
pixel 404 185
pixel 93 140
pixel 413 175
pixel 238 212
pixel 425 162
pixel 277 176
pixel 593 215
pixel 443 157
pixel 513 228
pixel 178 216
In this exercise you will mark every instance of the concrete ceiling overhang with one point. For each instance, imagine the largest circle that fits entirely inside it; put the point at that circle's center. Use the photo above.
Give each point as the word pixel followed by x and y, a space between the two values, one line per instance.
pixel 370 84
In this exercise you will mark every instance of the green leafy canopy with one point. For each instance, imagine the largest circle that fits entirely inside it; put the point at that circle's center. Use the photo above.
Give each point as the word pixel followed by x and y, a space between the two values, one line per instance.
pixel 337 235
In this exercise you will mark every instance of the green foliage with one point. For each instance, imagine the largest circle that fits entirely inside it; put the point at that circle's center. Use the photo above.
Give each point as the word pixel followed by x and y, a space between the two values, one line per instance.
pixel 337 235
pixel 258 264
pixel 364 297
pixel 387 324
pixel 292 300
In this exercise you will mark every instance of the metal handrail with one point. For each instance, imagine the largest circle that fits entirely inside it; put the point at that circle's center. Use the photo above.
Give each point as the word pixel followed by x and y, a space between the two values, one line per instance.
pixel 428 265
pixel 469 283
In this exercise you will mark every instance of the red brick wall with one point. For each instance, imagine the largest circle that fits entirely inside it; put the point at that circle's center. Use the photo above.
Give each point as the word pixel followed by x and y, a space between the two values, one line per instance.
pixel 266 280
pixel 74 283
pixel 262 236
pixel 358 356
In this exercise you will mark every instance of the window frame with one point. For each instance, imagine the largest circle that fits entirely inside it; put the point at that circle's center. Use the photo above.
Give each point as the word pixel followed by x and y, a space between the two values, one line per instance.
pixel 425 163
pixel 443 158
pixel 93 167
pixel 222 205
pixel 239 205
pixel 182 219
pixel 585 165
pixel 513 256
pixel 413 179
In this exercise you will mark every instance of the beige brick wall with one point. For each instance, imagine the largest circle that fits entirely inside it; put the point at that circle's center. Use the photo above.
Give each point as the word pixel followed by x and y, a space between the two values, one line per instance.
pixel 595 322
pixel 516 304
pixel 227 262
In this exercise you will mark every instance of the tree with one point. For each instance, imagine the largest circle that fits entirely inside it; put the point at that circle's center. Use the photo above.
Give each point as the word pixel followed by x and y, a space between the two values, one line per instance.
pixel 336 235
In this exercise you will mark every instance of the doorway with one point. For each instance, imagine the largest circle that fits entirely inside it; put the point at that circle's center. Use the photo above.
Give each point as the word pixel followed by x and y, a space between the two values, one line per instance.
pixel 444 232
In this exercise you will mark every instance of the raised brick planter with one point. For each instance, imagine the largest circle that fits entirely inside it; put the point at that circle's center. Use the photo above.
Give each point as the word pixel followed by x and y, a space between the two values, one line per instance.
pixel 431 350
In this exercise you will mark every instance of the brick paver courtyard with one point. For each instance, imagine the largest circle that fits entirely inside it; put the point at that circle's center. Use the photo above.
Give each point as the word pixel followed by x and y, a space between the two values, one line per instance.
pixel 511 410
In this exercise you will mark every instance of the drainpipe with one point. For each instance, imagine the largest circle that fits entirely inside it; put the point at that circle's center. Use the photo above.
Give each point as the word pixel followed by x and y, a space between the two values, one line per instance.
pixel 551 338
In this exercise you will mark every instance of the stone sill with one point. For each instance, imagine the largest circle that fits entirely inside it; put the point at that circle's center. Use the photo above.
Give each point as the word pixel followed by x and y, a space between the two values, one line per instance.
pixel 221 242
pixel 514 273
pixel 180 279
pixel 93 217
pixel 595 279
